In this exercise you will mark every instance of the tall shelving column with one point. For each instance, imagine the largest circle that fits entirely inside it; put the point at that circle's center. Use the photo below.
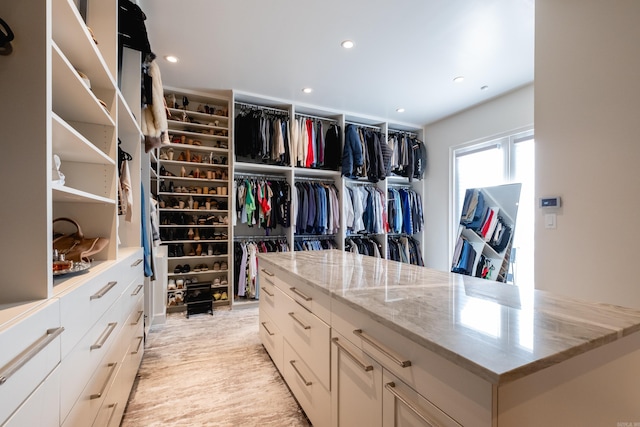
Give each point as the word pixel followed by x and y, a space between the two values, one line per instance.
pixel 192 189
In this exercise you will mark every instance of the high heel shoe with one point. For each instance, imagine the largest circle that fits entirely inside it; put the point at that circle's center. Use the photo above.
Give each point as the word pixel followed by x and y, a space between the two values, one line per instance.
pixel 190 234
pixel 171 187
pixel 190 202
pixel 183 172
pixel 182 157
pixel 170 153
pixel 199 249
pixel 163 188
pixel 196 236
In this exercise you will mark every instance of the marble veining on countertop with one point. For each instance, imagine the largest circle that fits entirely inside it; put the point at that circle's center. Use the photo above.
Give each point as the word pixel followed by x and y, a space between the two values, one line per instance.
pixel 500 332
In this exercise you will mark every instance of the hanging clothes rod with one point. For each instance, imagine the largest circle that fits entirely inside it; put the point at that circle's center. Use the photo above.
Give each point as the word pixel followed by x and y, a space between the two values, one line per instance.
pixel 258 238
pixel 309 116
pixel 259 176
pixel 261 107
pixel 311 179
pixel 406 132
pixel 315 237
pixel 364 126
pixel 359 184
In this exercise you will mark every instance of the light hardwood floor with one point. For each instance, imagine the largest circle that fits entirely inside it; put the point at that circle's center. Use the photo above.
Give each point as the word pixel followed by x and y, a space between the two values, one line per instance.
pixel 210 371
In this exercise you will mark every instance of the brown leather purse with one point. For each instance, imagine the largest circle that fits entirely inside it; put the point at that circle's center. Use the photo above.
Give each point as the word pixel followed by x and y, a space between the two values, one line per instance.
pixel 75 246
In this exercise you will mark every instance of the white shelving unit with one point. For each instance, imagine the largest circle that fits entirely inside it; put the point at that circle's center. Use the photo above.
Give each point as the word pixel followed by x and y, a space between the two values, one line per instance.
pixel 195 169
pixel 57 320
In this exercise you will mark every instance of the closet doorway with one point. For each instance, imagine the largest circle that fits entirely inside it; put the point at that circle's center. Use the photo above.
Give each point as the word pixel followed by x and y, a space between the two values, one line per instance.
pixel 504 160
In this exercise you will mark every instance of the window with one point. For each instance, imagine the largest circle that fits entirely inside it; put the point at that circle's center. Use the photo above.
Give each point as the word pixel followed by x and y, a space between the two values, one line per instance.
pixel 501 161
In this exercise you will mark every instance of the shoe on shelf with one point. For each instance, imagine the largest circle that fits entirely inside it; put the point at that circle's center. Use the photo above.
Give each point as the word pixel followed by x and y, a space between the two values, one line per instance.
pixel 186 268
pixel 223 296
pixel 224 265
pixel 199 249
pixel 171 285
pixel 178 269
pixel 216 265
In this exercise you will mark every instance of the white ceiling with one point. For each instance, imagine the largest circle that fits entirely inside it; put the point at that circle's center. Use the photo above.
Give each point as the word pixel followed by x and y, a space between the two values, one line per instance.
pixel 406 52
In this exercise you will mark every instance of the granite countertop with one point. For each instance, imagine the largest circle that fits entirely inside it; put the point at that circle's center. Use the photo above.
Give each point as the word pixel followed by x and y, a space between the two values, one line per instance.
pixel 497 331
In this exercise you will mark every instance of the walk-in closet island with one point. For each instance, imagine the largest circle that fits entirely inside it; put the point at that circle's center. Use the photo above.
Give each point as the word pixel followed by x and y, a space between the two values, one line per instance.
pixel 368 341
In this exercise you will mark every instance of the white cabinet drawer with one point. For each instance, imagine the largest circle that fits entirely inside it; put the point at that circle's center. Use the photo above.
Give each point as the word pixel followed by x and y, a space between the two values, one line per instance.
pixel 268 297
pixel 102 377
pixel 271 338
pixel 404 407
pixel 78 366
pixel 312 396
pixel 82 306
pixel 42 408
pixel 312 299
pixel 30 351
pixel 431 375
pixel 309 336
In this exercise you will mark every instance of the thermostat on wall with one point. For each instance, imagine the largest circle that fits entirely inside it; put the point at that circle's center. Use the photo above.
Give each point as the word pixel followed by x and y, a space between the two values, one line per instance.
pixel 550 202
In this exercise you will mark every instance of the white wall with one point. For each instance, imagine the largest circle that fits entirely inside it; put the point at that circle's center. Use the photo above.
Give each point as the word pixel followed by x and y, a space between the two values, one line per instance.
pixel 587 131
pixel 495 118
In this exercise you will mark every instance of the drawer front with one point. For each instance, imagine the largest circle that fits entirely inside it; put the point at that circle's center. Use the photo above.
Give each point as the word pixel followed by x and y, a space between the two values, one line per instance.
pixel 312 299
pixel 30 352
pixel 404 407
pixel 310 394
pixel 271 338
pixel 99 384
pixel 42 408
pixel 309 336
pixel 80 364
pixel 268 297
pixel 83 306
pixel 432 376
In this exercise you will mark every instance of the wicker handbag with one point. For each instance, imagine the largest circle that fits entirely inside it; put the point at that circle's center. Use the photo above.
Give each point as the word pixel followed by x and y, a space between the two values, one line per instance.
pixel 75 246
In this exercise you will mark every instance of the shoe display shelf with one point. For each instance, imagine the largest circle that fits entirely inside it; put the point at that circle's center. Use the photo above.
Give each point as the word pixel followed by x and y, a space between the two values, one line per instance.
pixel 192 189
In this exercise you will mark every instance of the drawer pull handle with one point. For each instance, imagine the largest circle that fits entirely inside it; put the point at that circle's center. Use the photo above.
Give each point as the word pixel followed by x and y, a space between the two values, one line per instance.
pixel 388 353
pixel 138 261
pixel 414 408
pixel 140 313
pixel 104 336
pixel 99 394
pixel 19 361
pixel 137 290
pixel 264 325
pixel 293 316
pixel 266 291
pixel 363 365
pixel 140 339
pixel 113 407
pixel 300 294
pixel 102 292
pixel 267 272
pixel 295 368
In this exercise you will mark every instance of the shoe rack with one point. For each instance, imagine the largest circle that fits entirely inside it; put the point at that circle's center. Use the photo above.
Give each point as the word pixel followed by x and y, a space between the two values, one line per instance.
pixel 193 193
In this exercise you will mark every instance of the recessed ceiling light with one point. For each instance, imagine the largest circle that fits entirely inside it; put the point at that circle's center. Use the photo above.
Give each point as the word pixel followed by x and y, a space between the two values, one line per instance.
pixel 400 110
pixel 307 90
pixel 458 79
pixel 485 87
pixel 171 58
pixel 347 44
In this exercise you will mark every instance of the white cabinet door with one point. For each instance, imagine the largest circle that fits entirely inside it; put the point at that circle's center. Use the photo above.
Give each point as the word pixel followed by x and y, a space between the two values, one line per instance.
pixel 404 407
pixel 356 382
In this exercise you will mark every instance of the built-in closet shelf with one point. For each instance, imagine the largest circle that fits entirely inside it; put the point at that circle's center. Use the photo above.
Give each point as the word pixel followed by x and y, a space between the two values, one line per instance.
pixel 71 36
pixel 187 179
pixel 244 167
pixel 198 273
pixel 66 194
pixel 188 126
pixel 216 196
pixel 85 106
pixel 196 135
pixel 128 127
pixel 185 163
pixel 193 257
pixel 197 148
pixel 317 173
pixel 71 146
